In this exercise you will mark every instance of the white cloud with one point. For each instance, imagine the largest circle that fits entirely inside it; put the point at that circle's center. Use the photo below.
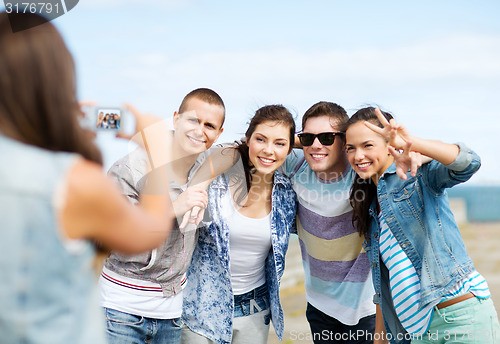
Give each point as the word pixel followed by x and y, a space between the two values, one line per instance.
pixel 458 57
pixel 466 64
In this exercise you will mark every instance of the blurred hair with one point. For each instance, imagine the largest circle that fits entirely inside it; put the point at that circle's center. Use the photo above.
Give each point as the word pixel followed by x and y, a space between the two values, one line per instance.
pixel 38 104
pixel 206 95
pixel 277 114
pixel 332 110
pixel 364 187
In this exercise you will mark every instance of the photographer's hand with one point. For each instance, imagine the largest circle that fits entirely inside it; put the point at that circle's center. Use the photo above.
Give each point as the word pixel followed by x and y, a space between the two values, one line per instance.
pixel 142 121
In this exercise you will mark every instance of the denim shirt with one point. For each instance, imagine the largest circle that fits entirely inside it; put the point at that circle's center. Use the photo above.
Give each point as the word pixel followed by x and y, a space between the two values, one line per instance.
pixel 208 296
pixel 418 213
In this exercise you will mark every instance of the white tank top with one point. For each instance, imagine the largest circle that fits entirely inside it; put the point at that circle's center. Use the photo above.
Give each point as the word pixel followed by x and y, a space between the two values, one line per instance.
pixel 249 245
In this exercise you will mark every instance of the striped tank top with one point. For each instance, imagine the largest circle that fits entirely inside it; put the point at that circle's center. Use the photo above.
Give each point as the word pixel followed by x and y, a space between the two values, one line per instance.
pixel 405 284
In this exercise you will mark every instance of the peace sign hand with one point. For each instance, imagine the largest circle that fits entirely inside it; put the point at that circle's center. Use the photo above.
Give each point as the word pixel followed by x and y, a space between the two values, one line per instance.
pixel 396 134
pixel 406 160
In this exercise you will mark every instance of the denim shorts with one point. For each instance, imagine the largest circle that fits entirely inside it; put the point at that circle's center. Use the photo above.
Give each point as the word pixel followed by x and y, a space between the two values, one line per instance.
pixel 251 302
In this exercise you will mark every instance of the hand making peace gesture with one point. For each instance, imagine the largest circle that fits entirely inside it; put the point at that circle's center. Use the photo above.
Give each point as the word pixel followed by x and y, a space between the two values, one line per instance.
pixel 400 142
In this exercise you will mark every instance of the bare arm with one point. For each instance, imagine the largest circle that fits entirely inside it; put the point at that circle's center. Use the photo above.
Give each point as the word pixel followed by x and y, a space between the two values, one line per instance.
pixel 95 209
pixel 445 153
pixel 399 137
pixel 220 160
pixel 380 337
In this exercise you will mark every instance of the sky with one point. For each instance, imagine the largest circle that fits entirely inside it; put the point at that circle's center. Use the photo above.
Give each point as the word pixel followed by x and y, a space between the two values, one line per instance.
pixel 434 64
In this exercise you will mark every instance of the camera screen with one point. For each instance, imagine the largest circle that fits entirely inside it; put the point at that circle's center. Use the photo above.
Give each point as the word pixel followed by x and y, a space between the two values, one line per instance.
pixel 108 119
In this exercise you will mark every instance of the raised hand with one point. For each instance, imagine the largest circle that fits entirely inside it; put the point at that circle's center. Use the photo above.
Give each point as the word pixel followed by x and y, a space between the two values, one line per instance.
pixel 142 121
pixel 396 134
pixel 406 160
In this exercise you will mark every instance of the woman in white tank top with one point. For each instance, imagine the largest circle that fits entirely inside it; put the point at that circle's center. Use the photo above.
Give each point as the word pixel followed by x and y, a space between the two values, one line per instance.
pixel 232 289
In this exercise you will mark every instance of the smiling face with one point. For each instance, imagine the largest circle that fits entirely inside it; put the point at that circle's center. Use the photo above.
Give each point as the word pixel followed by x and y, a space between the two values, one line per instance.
pixel 198 127
pixel 367 151
pixel 327 161
pixel 268 147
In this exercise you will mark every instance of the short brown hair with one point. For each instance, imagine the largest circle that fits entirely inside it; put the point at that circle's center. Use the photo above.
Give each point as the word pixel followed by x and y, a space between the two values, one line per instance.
pixel 332 110
pixel 206 95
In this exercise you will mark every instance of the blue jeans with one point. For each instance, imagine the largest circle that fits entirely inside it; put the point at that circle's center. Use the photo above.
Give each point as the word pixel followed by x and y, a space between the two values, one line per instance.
pixel 124 328
pixel 254 301
pixel 326 329
pixel 251 318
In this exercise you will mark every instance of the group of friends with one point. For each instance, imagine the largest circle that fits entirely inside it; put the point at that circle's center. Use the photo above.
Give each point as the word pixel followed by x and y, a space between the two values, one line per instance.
pixel 108 121
pixel 198 243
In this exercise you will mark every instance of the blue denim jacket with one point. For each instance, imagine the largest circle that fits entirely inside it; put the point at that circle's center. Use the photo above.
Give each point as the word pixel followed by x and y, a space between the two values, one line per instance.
pixel 418 213
pixel 208 297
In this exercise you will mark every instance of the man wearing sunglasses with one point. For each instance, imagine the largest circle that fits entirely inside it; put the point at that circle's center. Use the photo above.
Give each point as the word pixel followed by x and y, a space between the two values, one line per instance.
pixel 338 280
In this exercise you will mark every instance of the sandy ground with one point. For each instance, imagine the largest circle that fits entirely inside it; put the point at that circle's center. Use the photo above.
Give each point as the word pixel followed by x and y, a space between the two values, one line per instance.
pixel 481 239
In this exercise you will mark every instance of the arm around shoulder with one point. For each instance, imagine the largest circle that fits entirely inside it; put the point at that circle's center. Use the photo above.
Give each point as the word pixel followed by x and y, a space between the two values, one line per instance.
pixel 219 160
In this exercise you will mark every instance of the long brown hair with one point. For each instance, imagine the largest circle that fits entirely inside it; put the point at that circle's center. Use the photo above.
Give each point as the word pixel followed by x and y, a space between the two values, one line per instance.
pixel 270 113
pixel 363 191
pixel 38 104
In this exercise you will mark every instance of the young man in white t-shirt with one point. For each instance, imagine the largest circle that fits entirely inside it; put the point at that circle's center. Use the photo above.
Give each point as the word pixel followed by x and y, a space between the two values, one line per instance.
pixel 142 294
pixel 338 280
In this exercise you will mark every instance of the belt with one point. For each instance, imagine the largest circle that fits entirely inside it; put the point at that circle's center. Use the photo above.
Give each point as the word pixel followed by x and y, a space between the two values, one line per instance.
pixel 260 291
pixel 457 299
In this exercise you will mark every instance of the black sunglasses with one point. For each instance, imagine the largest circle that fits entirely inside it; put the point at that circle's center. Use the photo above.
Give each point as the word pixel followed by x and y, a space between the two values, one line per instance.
pixel 326 139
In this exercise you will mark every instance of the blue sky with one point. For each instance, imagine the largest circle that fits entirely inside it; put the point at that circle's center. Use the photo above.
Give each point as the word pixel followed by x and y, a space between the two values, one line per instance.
pixel 434 64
